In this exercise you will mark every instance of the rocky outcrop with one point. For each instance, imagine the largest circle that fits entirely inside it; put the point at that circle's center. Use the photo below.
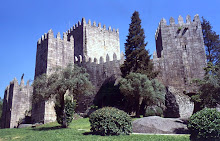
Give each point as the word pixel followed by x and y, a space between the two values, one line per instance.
pixel 172 108
pixel 159 125
pixel 185 105
pixel 218 107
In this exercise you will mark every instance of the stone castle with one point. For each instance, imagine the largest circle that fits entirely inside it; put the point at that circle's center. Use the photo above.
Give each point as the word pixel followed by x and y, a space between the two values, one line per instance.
pixel 180 57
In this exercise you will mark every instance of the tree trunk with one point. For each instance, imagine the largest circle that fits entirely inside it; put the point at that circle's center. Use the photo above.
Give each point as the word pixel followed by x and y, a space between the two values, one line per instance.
pixel 140 99
pixel 62 103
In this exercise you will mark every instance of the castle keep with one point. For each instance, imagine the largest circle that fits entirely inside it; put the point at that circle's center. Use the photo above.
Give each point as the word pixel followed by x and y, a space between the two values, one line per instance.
pixel 180 57
pixel 180 53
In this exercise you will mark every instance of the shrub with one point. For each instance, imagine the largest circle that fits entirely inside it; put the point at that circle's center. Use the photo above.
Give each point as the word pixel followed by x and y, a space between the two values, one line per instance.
pixel 68 109
pixel 153 111
pixel 159 111
pixel 205 125
pixel 110 121
pixel 149 112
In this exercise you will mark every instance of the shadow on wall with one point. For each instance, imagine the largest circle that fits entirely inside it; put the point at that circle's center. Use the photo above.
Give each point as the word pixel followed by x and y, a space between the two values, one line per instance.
pixel 109 94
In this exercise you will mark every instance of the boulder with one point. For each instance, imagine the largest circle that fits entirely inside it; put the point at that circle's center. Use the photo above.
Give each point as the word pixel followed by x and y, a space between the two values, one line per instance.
pixel 24 125
pixel 186 106
pixel 159 125
pixel 172 108
pixel 218 107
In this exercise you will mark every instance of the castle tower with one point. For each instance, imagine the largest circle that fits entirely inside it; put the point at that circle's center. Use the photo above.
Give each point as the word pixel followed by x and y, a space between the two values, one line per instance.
pixel 180 53
pixel 92 41
pixel 51 53
pixel 17 101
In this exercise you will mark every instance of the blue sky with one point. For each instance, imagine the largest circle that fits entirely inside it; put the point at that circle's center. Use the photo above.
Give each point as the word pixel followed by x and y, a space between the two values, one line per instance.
pixel 22 22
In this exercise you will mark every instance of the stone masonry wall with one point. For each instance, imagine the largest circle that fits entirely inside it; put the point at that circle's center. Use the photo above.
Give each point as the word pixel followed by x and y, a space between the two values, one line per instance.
pixel 180 55
pixel 99 73
pixel 17 100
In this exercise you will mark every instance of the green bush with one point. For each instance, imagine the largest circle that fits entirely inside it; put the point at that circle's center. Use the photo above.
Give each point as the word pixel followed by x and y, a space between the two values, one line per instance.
pixel 68 109
pixel 205 125
pixel 153 111
pixel 110 121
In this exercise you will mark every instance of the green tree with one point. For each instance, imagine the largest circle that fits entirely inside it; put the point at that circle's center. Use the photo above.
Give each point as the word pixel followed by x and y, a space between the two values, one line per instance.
pixel 137 57
pixel 209 89
pixel 72 80
pixel 211 41
pixel 69 109
pixel 138 88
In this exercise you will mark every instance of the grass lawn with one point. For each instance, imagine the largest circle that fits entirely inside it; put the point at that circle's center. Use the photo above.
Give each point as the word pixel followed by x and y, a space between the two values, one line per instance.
pixel 79 130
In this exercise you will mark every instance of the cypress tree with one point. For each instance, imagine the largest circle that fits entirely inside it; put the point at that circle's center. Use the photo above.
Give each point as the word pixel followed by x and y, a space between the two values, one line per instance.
pixel 137 57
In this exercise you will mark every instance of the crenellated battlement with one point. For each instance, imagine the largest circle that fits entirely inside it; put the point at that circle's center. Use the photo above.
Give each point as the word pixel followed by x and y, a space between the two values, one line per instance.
pixel 83 23
pixel 179 25
pixel 50 35
pixel 21 85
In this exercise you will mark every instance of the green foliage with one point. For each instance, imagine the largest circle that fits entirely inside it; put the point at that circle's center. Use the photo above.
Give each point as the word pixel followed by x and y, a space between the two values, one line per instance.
pixel 74 79
pixel 138 88
pixel 137 57
pixel 179 28
pixel 67 115
pixel 110 121
pixel 209 88
pixel 205 125
pixel 211 41
pixel 71 80
pixel 153 111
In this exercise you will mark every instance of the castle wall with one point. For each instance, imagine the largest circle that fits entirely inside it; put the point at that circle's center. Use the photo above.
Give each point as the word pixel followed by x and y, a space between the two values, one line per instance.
pixel 99 71
pixel 180 53
pixel 17 100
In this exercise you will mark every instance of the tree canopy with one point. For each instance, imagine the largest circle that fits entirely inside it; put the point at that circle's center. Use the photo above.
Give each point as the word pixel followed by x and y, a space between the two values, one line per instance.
pixel 209 89
pixel 138 88
pixel 137 57
pixel 211 41
pixel 71 80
